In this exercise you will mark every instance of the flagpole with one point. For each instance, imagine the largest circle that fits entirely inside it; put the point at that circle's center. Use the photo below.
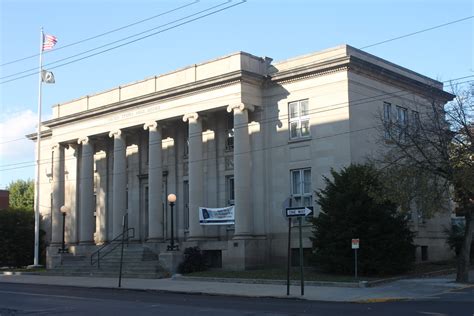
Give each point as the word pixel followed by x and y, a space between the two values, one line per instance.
pixel 38 156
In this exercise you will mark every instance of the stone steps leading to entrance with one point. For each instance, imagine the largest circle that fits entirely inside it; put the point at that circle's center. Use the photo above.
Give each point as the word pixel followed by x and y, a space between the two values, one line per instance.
pixel 138 262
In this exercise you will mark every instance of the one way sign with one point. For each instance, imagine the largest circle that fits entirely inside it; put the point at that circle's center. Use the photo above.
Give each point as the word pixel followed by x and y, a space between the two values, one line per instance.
pixel 299 211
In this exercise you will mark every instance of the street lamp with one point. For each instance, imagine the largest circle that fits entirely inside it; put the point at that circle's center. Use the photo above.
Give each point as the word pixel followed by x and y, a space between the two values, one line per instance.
pixel 64 209
pixel 171 200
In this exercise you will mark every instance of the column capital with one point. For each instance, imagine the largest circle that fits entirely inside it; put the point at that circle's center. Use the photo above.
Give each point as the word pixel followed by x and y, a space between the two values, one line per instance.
pixel 56 146
pixel 83 140
pixel 240 107
pixel 151 125
pixel 115 133
pixel 191 117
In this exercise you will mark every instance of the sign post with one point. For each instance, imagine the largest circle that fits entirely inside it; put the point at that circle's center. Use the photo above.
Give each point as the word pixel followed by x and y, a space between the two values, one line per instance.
pixel 298 212
pixel 355 246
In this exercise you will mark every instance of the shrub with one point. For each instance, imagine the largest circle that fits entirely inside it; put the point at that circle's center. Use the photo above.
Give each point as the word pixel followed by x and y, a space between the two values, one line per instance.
pixel 455 238
pixel 17 235
pixel 353 206
pixel 193 261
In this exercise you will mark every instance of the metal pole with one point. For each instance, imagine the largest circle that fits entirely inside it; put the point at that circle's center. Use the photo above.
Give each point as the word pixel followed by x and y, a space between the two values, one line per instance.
pixel 289 258
pixel 355 263
pixel 301 255
pixel 38 156
pixel 172 226
pixel 63 249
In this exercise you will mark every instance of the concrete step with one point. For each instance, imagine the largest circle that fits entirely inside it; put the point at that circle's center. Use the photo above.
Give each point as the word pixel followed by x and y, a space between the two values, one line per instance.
pixel 138 261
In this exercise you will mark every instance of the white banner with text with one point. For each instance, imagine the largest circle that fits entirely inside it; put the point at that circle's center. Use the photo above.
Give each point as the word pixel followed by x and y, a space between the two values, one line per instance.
pixel 216 216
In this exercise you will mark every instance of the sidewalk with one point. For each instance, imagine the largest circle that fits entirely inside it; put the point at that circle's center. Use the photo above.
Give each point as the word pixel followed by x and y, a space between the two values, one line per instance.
pixel 397 290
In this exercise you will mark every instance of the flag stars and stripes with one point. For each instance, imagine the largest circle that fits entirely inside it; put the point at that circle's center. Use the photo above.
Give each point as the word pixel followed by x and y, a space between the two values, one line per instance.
pixel 49 41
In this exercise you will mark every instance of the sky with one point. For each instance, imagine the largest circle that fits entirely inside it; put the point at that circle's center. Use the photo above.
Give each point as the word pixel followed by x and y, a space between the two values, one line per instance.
pixel 279 29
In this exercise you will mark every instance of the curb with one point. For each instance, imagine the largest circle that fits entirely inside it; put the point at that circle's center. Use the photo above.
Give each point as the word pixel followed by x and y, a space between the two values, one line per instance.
pixel 360 284
pixel 382 300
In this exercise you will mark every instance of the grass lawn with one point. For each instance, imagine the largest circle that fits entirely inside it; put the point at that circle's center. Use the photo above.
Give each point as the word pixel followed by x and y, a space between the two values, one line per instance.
pixel 277 274
pixel 311 275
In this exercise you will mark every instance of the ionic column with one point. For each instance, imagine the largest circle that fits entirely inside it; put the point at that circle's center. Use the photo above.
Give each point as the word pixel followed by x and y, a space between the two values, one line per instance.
pixel 155 182
pixel 119 181
pixel 242 171
pixel 195 173
pixel 86 192
pixel 58 194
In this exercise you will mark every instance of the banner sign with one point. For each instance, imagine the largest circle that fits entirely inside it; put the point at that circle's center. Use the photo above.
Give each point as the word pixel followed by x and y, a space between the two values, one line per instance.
pixel 216 216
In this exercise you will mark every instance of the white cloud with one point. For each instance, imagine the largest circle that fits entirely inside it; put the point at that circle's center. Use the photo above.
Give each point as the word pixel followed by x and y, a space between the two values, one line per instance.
pixel 14 146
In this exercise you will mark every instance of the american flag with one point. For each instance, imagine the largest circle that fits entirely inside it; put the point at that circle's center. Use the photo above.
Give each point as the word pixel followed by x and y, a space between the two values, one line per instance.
pixel 49 41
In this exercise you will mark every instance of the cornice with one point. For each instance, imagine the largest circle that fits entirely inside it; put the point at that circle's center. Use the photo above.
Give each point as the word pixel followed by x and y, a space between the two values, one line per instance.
pixel 368 69
pixel 44 134
pixel 359 66
pixel 309 71
pixel 167 94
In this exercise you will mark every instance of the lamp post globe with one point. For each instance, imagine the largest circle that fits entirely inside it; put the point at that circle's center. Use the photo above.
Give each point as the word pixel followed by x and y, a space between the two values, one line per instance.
pixel 172 200
pixel 64 210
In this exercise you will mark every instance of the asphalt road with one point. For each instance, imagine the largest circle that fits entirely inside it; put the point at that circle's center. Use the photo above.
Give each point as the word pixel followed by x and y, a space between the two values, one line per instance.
pixel 23 299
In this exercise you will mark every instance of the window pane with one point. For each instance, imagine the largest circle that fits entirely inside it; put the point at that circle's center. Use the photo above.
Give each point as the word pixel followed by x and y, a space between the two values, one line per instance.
pixel 296 182
pixel 304 108
pixel 293 110
pixel 307 181
pixel 294 129
pixel 297 201
pixel 387 107
pixel 307 201
pixel 305 128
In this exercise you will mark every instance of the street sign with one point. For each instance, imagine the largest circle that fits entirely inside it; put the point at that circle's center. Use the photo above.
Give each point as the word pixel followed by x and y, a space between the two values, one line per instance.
pixel 355 243
pixel 299 211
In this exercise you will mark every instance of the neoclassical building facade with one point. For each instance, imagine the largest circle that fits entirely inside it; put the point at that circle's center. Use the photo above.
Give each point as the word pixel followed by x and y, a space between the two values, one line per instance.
pixel 238 130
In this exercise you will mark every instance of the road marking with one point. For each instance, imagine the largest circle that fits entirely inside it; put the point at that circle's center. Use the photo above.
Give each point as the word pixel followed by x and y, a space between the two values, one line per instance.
pixel 433 313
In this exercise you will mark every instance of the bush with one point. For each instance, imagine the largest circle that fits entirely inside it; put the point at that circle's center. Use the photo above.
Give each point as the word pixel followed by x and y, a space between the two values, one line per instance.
pixel 17 236
pixel 194 261
pixel 353 206
pixel 455 239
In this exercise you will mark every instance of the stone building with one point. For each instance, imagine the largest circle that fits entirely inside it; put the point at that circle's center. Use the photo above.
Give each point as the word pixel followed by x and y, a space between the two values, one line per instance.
pixel 237 130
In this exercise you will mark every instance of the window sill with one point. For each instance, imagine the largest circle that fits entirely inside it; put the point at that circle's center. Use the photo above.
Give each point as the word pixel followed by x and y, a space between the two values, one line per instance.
pixel 299 140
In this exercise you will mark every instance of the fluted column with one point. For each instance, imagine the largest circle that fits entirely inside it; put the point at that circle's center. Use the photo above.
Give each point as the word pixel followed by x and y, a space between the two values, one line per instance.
pixel 86 192
pixel 242 171
pixel 119 181
pixel 58 194
pixel 155 182
pixel 195 173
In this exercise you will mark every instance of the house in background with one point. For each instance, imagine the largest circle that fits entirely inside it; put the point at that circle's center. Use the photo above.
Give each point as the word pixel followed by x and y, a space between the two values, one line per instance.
pixel 4 199
pixel 239 131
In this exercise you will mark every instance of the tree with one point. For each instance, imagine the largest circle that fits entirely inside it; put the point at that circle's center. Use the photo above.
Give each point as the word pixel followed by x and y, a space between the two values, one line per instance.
pixel 352 207
pixel 22 194
pixel 430 162
pixel 17 228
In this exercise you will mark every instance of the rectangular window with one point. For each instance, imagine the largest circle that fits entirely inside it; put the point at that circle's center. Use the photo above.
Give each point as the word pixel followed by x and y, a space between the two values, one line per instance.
pixel 229 133
pixel 301 192
pixel 299 119
pixel 230 190
pixel 402 122
pixel 387 109
pixel 415 121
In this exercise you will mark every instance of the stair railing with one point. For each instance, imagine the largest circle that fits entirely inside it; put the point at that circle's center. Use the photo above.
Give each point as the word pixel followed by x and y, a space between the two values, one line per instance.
pixel 124 237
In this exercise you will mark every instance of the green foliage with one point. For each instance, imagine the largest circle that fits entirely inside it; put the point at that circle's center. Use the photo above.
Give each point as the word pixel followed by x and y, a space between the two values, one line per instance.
pixel 456 238
pixel 353 207
pixel 194 261
pixel 22 194
pixel 17 227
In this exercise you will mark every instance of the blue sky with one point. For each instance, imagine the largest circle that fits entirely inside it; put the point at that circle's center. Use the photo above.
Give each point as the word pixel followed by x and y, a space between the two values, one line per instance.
pixel 278 29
